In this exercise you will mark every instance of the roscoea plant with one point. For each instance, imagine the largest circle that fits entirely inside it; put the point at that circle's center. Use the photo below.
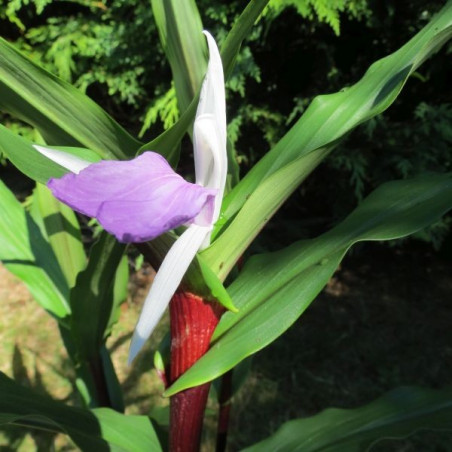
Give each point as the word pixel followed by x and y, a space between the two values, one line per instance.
pixel 139 198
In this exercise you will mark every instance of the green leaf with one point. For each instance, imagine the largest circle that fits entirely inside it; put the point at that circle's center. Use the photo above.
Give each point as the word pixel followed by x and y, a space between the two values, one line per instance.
pixel 239 32
pixel 113 385
pixel 60 227
pixel 84 378
pixel 27 159
pixel 261 205
pixel 180 29
pixel 95 303
pixel 131 433
pixel 62 114
pixel 24 157
pixel 101 429
pixel 204 282
pixel 27 254
pixel 328 119
pixel 120 291
pixel 397 414
pixel 167 142
pixel 92 296
pixel 274 289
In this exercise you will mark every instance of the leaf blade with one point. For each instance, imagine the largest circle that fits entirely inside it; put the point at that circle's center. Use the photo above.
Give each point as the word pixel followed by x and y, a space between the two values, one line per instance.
pixel 180 29
pixel 92 298
pixel 26 254
pixel 99 429
pixel 297 273
pixel 60 112
pixel 61 228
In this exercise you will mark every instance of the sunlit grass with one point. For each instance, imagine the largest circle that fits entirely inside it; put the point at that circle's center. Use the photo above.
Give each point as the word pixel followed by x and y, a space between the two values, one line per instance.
pixel 32 353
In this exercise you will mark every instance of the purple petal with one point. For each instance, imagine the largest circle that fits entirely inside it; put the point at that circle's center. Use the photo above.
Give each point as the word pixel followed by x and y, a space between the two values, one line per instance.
pixel 134 200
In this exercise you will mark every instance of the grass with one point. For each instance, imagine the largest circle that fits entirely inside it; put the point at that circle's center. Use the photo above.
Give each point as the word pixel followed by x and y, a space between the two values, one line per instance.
pixel 383 321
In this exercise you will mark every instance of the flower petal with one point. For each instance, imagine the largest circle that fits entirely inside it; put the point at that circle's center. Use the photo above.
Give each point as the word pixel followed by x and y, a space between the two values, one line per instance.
pixel 134 200
pixel 208 143
pixel 209 132
pixel 165 284
pixel 69 161
pixel 212 97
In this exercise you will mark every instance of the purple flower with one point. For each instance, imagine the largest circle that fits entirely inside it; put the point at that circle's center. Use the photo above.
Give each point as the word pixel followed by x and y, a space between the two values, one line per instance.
pixel 138 200
pixel 135 200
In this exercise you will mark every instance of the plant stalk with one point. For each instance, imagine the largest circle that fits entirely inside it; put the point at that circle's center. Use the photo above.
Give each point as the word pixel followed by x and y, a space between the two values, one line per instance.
pixel 99 379
pixel 224 411
pixel 193 321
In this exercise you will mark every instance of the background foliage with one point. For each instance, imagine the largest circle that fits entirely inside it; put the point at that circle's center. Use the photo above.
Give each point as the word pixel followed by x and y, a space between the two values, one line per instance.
pixel 111 51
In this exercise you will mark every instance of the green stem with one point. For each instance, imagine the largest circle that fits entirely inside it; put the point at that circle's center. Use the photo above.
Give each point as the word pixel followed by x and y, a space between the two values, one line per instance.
pixel 100 383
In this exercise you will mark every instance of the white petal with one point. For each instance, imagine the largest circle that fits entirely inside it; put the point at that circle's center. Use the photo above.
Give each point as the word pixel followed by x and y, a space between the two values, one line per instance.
pixel 64 159
pixel 212 105
pixel 212 98
pixel 208 143
pixel 209 131
pixel 165 284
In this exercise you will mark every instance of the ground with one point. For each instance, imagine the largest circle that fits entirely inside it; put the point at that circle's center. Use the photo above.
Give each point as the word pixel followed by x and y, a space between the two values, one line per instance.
pixel 383 321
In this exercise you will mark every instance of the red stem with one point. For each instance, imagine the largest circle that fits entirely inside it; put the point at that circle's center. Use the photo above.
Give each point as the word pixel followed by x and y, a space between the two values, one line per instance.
pixel 192 324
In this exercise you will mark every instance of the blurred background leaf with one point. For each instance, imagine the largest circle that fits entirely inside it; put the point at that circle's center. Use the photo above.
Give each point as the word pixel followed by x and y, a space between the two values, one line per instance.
pixel 397 414
pixel 27 254
pixel 60 227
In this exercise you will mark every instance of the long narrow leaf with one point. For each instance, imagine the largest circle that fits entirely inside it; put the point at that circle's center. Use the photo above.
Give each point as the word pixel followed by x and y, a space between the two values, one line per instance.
pixel 92 297
pixel 241 28
pixel 331 116
pixel 62 114
pixel 325 122
pixel 180 29
pixel 261 205
pixel 95 301
pixel 274 289
pixel 167 142
pixel 24 156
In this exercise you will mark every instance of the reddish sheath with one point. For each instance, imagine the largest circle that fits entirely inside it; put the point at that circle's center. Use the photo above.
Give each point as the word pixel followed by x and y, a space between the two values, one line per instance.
pixel 192 324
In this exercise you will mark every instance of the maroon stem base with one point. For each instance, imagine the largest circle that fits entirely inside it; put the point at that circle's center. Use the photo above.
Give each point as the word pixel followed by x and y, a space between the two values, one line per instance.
pixel 192 324
pixel 186 418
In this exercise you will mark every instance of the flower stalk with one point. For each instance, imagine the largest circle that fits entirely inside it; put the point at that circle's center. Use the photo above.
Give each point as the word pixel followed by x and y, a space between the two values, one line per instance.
pixel 193 321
